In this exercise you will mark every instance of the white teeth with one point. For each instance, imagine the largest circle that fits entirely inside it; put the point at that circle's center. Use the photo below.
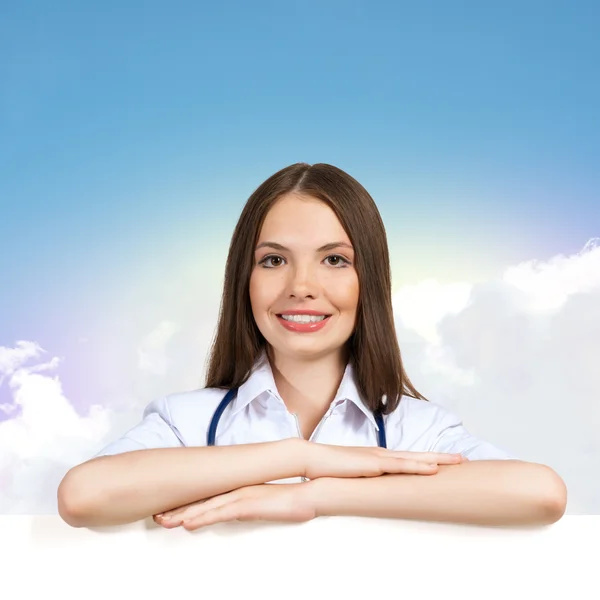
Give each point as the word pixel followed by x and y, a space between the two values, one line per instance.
pixel 303 318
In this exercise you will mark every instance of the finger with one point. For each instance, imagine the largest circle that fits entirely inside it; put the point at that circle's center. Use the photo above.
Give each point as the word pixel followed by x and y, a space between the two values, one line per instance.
pixel 193 507
pixel 211 504
pixel 172 516
pixel 181 509
pixel 199 508
pixel 166 523
pixel 175 518
pixel 402 465
pixel 220 514
pixel 169 522
pixel 176 512
pixel 428 457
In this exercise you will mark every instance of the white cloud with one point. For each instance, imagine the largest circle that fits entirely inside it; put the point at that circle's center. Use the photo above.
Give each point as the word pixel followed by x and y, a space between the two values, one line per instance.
pixel 547 286
pixel 422 306
pixel 516 358
pixel 152 353
pixel 518 361
pixel 46 438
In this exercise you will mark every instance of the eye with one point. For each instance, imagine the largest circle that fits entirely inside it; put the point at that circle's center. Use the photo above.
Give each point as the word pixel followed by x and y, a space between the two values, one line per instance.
pixel 339 260
pixel 267 258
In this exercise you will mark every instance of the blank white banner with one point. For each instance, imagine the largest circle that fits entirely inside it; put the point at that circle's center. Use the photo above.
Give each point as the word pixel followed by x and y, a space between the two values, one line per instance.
pixel 336 556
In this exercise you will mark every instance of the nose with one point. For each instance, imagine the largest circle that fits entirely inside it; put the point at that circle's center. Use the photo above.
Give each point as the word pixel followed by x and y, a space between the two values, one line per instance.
pixel 302 281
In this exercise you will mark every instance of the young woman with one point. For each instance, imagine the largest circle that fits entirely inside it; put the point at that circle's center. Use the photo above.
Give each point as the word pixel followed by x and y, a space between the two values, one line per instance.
pixel 306 387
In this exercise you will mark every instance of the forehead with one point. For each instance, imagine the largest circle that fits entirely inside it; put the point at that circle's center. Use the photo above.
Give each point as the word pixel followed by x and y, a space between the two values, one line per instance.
pixel 297 218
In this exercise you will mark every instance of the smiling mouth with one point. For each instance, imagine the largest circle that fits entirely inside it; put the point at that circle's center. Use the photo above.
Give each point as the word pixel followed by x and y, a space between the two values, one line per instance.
pixel 303 318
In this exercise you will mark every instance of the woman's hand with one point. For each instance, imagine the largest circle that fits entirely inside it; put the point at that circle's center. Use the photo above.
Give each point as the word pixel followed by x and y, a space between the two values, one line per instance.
pixel 294 502
pixel 325 460
pixel 282 502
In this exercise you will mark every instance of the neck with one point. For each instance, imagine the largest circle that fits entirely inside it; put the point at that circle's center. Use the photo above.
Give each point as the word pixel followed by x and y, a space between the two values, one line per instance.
pixel 308 386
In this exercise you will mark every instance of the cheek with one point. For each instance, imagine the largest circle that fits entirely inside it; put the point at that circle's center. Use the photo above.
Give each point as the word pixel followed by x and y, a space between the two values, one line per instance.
pixel 254 290
pixel 348 293
pixel 260 294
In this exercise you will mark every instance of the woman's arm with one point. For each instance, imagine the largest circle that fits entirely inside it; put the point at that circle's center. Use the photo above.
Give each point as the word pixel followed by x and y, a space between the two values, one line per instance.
pixel 483 492
pixel 127 487
pixel 132 485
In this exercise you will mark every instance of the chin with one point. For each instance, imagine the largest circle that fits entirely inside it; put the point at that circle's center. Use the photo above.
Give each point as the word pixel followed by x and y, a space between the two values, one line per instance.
pixel 314 350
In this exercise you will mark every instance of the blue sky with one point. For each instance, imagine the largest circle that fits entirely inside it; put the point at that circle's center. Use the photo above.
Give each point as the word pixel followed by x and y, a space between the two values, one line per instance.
pixel 133 96
pixel 133 130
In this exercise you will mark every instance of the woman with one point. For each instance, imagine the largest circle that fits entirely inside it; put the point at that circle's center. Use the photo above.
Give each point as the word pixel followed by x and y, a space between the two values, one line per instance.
pixel 306 386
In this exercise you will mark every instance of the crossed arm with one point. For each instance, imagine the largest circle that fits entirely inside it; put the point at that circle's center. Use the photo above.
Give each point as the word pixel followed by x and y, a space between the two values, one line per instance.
pixel 229 481
pixel 490 492
pixel 482 492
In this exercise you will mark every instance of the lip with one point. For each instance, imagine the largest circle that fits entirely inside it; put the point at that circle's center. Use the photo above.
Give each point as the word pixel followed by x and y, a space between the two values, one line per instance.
pixel 303 327
pixel 306 311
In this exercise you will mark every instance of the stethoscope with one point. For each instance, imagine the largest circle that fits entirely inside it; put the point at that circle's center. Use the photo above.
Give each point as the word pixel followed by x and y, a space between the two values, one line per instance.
pixel 230 395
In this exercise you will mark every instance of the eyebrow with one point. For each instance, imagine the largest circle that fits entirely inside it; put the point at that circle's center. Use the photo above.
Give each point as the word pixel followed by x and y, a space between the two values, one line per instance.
pixel 330 246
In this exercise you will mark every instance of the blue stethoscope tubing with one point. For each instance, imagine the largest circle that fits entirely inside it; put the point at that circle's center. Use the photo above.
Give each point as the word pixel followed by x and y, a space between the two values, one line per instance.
pixel 230 395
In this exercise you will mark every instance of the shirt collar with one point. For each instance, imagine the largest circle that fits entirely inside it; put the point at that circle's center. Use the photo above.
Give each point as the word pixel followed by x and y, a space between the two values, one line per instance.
pixel 261 381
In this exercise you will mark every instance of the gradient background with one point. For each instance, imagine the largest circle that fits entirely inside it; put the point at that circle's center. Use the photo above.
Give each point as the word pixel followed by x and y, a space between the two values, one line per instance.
pixel 132 133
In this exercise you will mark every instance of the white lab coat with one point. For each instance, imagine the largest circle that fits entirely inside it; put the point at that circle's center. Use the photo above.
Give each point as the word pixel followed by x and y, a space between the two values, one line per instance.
pixel 258 414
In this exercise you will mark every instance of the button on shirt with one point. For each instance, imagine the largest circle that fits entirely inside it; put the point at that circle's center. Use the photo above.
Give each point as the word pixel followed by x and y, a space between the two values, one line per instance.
pixel 258 414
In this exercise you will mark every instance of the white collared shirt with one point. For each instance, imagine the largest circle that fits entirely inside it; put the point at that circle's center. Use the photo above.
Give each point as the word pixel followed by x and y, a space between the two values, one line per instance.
pixel 258 414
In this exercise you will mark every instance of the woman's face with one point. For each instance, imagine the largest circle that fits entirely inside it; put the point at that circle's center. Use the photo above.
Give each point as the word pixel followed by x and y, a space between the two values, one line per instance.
pixel 304 262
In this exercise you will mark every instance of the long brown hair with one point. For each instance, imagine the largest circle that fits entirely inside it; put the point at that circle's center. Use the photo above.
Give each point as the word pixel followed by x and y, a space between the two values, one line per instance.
pixel 373 346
